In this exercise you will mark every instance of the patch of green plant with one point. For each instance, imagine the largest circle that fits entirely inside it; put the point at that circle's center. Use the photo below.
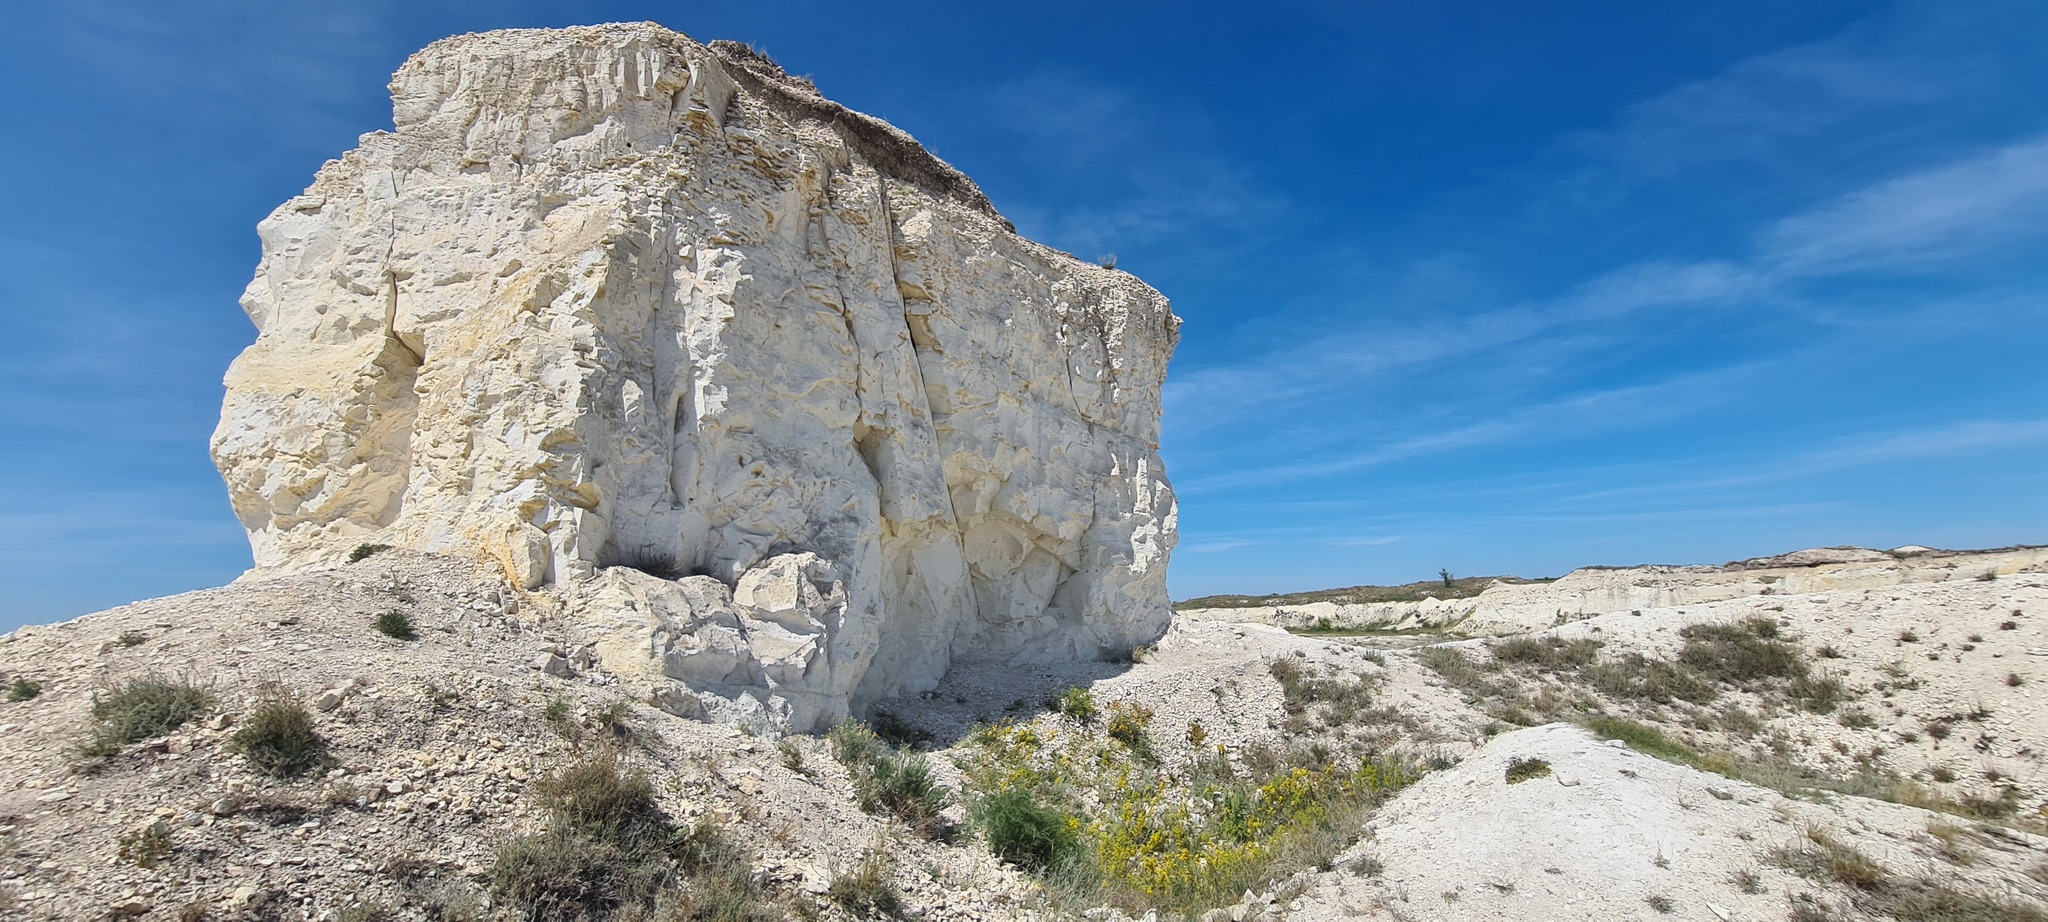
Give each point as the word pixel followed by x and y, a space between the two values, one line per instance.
pixel 792 756
pixel 1177 842
pixel 372 911
pixel 559 874
pixel 894 731
pixel 1074 703
pixel 869 889
pixel 1520 769
pixel 718 880
pixel 1548 653
pixel 141 708
pixel 1302 689
pixel 1877 892
pixel 853 743
pixel 1460 671
pixel 1741 652
pixel 144 847
pixel 1651 741
pixel 1633 676
pixel 885 780
pixel 364 551
pixel 1820 693
pixel 1127 724
pixel 278 738
pixel 608 846
pixel 23 688
pixel 1325 628
pixel 132 639
pixel 396 624
pixel 1030 835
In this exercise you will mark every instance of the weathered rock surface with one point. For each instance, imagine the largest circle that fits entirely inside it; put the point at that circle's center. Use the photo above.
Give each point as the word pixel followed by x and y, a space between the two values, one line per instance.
pixel 607 296
pixel 1507 608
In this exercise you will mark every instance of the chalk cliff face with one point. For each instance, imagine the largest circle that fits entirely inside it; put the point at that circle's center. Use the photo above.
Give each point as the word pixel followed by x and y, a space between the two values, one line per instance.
pixel 609 302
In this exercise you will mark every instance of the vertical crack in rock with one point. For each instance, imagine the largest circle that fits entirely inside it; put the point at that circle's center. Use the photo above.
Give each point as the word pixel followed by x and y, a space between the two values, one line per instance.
pixel 769 398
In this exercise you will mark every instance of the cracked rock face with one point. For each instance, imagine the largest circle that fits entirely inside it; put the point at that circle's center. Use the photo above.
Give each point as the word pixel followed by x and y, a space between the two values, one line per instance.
pixel 768 395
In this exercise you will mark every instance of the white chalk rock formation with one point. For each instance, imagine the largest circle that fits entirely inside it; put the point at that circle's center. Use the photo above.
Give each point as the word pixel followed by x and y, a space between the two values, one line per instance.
pixel 607 296
pixel 1514 608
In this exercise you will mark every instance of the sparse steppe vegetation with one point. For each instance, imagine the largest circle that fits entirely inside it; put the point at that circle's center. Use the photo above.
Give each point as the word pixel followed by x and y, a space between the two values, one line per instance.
pixel 1231 760
pixel 1463 587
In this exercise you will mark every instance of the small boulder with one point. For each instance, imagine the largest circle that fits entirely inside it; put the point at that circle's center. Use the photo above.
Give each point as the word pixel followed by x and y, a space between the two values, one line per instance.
pixel 553 664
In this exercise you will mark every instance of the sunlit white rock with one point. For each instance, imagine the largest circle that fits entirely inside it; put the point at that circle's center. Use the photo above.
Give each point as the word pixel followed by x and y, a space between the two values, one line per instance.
pixel 608 296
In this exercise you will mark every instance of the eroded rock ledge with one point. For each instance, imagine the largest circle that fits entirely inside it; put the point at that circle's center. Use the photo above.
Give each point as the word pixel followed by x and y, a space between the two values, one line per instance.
pixel 612 307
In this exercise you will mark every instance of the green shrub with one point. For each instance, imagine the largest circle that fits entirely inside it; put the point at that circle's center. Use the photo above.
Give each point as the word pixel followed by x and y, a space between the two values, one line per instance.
pixel 1521 769
pixel 142 708
pixel 868 890
pixel 608 846
pixel 1128 721
pixel 1638 677
pixel 902 784
pixel 1462 672
pixel 1074 703
pixel 1026 833
pixel 1877 892
pixel 1301 688
pixel 363 552
pixel 1550 654
pixel 595 799
pixel 278 738
pixel 397 624
pixel 1742 652
pixel 894 731
pixel 884 780
pixel 24 688
pixel 720 881
pixel 558 874
pixel 1645 739
pixel 854 744
pixel 1820 694
pixel 144 847
pixel 1176 842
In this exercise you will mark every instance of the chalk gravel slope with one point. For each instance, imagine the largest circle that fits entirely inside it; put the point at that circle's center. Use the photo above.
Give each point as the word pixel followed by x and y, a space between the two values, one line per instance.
pixel 439 741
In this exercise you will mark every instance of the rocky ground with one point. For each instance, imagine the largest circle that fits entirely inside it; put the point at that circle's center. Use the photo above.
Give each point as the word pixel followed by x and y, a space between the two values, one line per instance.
pixel 1899 776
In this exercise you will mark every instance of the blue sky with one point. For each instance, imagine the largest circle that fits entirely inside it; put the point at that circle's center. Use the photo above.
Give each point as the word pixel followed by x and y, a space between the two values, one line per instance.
pixel 1500 287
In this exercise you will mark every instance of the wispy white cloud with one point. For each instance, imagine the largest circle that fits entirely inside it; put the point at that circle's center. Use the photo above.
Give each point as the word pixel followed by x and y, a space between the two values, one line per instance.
pixel 1368 540
pixel 1618 407
pixel 1912 61
pixel 1983 204
pixel 1216 396
pixel 1957 210
pixel 1748 111
pixel 142 54
pixel 1073 121
pixel 1948 440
